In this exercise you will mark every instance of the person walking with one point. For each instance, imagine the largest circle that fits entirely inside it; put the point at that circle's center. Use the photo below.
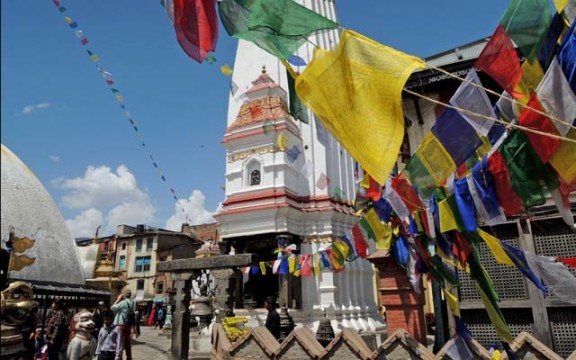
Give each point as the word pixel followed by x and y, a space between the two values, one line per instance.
pixel 273 318
pixel 124 308
pixel 57 331
pixel 109 339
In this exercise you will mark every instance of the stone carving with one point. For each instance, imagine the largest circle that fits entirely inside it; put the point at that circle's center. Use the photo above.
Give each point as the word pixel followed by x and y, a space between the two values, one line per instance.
pixel 258 151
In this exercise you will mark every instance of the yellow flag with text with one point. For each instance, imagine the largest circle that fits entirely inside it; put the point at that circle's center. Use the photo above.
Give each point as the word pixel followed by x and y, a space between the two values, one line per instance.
pixel 495 248
pixel 356 92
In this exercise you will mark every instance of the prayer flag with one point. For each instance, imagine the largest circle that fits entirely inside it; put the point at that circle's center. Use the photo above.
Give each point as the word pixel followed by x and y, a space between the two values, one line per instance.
pixel 360 241
pixel 322 182
pixel 496 317
pixel 119 98
pixel 550 44
pixel 373 189
pixel 321 133
pixel 465 204
pixel 400 251
pixel 564 159
pixel 365 98
pixel 544 146
pixel 567 57
pixel 495 248
pixel 84 41
pixel 527 22
pixel 471 97
pixel 435 158
pixel 557 98
pixel 526 170
pixel 226 70
pixel 282 141
pixel 196 25
pixel 406 192
pixel 452 301
pixel 509 201
pixel 499 60
pixel 395 201
pixel 297 109
pixel 517 256
pixel 568 261
pixel 293 153
pixel 68 19
pixel 73 24
pixel 279 27
pixel 262 267
pixel 296 60
pixel 447 218
pixel 382 232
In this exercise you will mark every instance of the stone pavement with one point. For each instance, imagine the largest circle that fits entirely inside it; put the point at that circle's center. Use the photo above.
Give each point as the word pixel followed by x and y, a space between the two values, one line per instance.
pixel 150 345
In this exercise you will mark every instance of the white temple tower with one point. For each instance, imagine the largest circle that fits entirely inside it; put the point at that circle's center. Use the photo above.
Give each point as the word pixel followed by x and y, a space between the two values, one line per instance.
pixel 305 191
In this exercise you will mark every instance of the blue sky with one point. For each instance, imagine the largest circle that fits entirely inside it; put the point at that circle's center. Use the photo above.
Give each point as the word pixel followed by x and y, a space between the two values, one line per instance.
pixel 60 118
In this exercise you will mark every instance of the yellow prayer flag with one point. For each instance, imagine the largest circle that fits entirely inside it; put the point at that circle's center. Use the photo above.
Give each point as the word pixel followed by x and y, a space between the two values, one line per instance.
pixel 564 159
pixel 342 247
pixel 499 323
pixel 496 355
pixel 447 219
pixel 262 267
pixel 68 19
pixel 383 232
pixel 560 4
pixel 452 302
pixel 291 264
pixel 282 141
pixel 226 70
pixel 435 158
pixel 119 98
pixel 19 245
pixel 18 262
pixel 495 248
pixel 94 58
pixel 356 93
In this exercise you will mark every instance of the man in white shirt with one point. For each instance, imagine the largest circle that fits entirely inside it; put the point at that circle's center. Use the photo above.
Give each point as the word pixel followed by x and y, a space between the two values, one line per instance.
pixel 109 339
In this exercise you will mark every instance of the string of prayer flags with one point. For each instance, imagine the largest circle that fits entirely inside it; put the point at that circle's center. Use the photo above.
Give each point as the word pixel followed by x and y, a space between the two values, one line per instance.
pixel 499 60
pixel 226 70
pixel 471 96
pixel 526 22
pixel 119 98
pixel 196 26
pixel 564 159
pixel 370 108
pixel 518 258
pixel 259 22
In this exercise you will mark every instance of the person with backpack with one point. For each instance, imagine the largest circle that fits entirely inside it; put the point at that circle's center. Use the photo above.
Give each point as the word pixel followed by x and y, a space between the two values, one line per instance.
pixel 124 307
pixel 57 331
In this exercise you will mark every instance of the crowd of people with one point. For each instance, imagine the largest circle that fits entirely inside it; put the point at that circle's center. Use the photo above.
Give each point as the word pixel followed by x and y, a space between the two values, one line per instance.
pixel 109 335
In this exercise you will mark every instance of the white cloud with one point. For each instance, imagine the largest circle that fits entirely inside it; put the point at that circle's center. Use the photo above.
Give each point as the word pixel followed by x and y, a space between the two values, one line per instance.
pixel 194 208
pixel 102 191
pixel 31 108
pixel 55 159
pixel 100 187
pixel 85 223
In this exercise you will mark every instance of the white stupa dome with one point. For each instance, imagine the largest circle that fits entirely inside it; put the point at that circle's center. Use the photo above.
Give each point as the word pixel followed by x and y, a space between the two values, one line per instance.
pixel 28 209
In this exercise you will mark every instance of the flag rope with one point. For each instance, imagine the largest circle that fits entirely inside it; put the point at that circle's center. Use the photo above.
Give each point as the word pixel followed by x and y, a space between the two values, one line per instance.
pixel 119 98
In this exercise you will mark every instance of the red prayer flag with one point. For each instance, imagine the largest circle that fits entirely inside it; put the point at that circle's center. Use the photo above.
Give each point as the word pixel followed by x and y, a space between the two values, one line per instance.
pixel 374 191
pixel 461 248
pixel 500 60
pixel 406 192
pixel 360 241
pixel 568 261
pixel 196 25
pixel 544 146
pixel 84 41
pixel 509 200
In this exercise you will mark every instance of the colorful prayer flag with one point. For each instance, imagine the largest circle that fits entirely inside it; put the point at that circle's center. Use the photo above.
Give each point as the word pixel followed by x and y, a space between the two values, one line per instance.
pixel 226 70
pixel 532 118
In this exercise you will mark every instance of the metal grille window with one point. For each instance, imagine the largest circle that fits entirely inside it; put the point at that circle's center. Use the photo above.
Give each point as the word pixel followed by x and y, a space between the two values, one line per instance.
pixel 563 325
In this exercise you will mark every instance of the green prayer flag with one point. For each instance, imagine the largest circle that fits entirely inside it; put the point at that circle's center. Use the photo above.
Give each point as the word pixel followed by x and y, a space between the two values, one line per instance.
pixel 419 176
pixel 297 109
pixel 527 22
pixel 526 170
pixel 279 27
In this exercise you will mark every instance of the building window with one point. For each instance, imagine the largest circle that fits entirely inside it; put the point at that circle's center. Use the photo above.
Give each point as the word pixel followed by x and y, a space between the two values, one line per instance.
pixel 122 263
pixel 142 263
pixel 255 177
pixel 124 245
pixel 139 245
pixel 159 287
pixel 149 244
pixel 140 285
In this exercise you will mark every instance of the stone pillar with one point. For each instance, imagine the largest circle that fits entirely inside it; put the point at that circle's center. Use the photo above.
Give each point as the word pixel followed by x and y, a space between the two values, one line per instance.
pixel 404 307
pixel 181 317
pixel 225 286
